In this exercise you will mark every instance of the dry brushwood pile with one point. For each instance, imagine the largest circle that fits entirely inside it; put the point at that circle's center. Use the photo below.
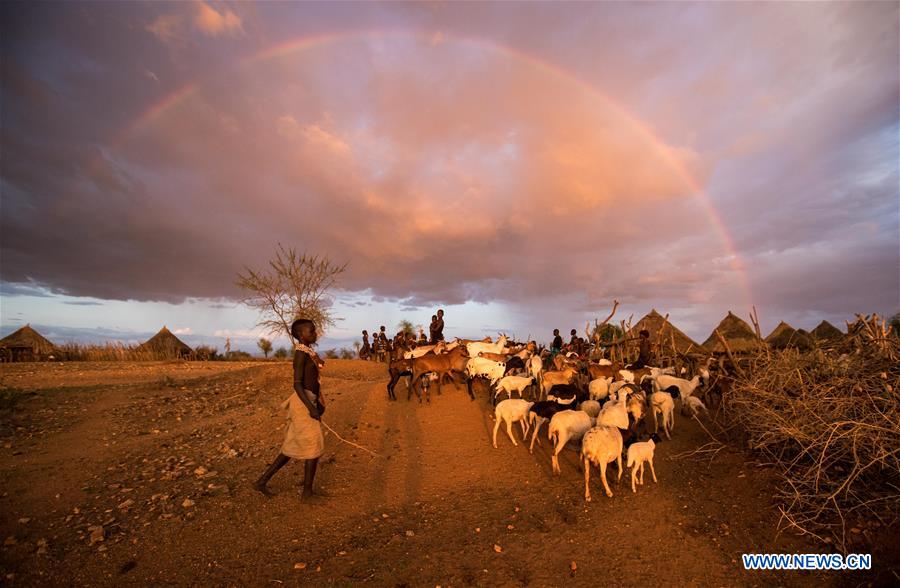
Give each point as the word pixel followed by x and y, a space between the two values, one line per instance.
pixel 830 423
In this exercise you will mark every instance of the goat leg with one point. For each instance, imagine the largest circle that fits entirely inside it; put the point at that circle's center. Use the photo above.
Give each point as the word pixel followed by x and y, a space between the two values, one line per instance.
pixel 509 432
pixel 587 479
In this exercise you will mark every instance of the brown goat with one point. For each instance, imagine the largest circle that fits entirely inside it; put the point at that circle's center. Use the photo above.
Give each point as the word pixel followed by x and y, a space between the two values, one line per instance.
pixel 551 379
pixel 499 357
pixel 603 371
pixel 443 365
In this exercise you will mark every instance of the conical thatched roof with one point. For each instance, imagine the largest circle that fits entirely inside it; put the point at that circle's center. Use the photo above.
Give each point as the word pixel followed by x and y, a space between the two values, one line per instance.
pixel 826 331
pixel 784 336
pixel 653 322
pixel 165 343
pixel 740 336
pixel 28 337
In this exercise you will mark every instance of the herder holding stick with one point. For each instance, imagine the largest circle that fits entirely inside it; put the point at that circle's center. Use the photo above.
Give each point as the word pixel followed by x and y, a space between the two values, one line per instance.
pixel 303 438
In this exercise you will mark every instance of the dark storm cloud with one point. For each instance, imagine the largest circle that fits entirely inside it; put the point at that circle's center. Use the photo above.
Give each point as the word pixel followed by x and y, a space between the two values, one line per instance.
pixel 445 171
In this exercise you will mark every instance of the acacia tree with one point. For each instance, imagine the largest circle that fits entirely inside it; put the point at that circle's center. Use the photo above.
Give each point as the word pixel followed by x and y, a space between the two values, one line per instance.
pixel 406 327
pixel 265 346
pixel 293 285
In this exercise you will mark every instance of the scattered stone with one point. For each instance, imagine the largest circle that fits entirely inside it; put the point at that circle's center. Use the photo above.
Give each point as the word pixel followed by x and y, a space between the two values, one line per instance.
pixel 188 503
pixel 24 521
pixel 201 471
pixel 125 505
pixel 98 534
pixel 42 546
pixel 410 534
pixel 300 566
pixel 573 567
pixel 497 548
pixel 10 541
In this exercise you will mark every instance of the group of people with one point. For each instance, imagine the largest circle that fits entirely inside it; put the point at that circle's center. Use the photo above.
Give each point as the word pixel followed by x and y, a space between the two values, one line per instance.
pixel 580 346
pixel 381 346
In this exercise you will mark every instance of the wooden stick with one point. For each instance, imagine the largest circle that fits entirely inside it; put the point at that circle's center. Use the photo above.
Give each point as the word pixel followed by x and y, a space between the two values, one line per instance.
pixel 737 367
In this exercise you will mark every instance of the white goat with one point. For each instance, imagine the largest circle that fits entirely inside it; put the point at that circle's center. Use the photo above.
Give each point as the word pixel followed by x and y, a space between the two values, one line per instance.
pixel 599 389
pixel 535 368
pixel 685 387
pixel 592 407
pixel 638 454
pixel 662 404
pixel 694 406
pixel 510 384
pixel 479 346
pixel 510 411
pixel 485 368
pixel 565 426
pixel 601 445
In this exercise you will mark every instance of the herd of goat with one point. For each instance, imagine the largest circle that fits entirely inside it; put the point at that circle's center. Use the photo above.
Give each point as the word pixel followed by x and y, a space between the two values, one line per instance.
pixel 606 408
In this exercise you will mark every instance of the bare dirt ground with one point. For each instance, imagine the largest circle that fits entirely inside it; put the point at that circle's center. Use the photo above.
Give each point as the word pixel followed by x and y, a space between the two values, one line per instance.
pixel 139 473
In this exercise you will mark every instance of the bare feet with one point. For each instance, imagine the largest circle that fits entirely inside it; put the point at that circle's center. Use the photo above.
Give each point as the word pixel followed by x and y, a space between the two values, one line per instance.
pixel 263 489
pixel 313 499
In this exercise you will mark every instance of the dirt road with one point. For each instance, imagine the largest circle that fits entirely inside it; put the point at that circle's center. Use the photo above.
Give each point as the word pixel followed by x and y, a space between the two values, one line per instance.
pixel 136 474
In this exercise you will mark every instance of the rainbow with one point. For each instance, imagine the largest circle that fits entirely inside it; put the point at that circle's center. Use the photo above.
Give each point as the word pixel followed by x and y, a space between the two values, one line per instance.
pixel 294 46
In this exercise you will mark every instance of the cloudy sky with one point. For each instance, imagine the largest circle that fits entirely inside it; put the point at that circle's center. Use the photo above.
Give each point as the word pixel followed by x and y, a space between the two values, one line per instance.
pixel 520 165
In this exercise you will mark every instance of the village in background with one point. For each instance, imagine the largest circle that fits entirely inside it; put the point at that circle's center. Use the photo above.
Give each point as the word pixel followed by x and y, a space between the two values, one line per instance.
pixel 27 344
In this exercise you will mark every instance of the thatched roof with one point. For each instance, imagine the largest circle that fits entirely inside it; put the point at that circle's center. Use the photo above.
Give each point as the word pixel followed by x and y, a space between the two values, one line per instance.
pixel 740 336
pixel 653 322
pixel 165 343
pixel 784 336
pixel 28 337
pixel 826 331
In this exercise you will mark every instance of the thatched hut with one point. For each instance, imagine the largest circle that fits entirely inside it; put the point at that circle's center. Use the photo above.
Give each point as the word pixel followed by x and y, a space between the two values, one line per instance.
pixel 827 332
pixel 653 322
pixel 165 344
pixel 785 336
pixel 26 344
pixel 740 336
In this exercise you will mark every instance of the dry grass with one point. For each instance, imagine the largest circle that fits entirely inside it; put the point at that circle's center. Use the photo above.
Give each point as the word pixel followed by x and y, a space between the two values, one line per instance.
pixel 831 425
pixel 109 352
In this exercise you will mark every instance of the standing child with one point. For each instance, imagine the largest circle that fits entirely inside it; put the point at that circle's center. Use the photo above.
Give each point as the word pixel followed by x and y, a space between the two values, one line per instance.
pixel 303 438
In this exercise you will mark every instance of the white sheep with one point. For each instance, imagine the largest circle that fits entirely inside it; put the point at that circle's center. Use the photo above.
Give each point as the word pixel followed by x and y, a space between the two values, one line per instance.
pixel 694 406
pixel 599 389
pixel 592 407
pixel 638 454
pixel 565 426
pixel 616 386
pixel 601 445
pixel 615 413
pixel 662 404
pixel 510 384
pixel 604 361
pixel 510 411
